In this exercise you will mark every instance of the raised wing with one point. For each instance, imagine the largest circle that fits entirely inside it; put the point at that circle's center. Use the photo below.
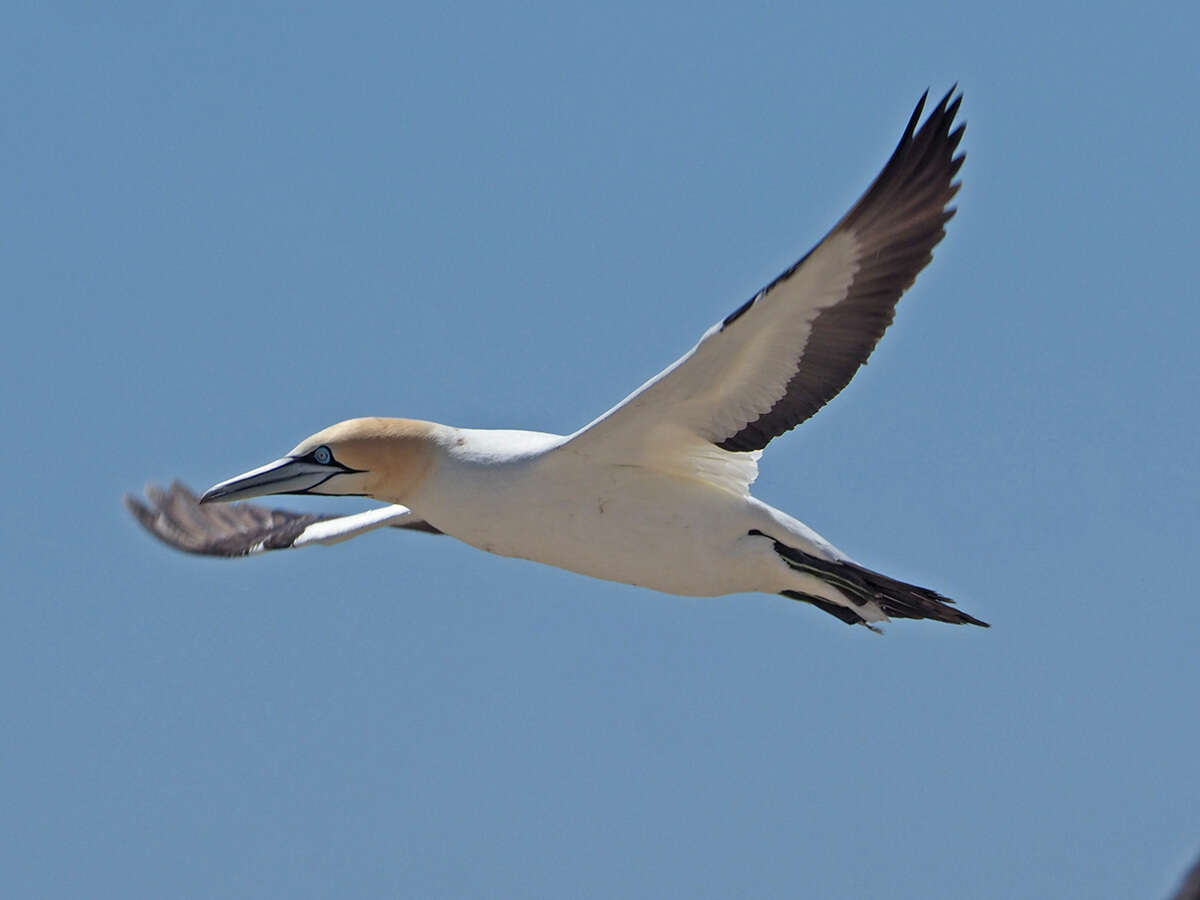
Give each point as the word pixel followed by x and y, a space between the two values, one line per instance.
pixel 782 355
pixel 176 518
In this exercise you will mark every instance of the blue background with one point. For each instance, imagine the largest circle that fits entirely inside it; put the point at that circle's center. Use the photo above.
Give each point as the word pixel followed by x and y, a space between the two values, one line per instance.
pixel 224 226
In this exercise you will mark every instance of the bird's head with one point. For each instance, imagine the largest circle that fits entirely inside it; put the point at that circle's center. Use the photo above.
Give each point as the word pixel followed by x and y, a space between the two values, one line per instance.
pixel 373 457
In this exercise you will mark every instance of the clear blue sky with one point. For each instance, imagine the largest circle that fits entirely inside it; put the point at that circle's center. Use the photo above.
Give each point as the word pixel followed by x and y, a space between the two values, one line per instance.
pixel 223 227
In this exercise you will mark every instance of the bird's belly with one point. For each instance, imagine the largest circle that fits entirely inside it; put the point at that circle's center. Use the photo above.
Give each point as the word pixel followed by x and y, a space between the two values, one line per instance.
pixel 622 524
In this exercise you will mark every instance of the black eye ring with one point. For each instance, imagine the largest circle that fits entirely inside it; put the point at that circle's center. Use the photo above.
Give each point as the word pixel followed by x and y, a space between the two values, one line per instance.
pixel 322 456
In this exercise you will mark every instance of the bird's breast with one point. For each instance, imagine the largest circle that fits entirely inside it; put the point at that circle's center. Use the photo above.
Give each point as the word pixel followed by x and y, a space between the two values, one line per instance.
pixel 620 523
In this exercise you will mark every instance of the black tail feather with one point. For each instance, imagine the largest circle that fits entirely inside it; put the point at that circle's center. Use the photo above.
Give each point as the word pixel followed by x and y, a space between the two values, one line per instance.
pixel 898 599
pixel 847 615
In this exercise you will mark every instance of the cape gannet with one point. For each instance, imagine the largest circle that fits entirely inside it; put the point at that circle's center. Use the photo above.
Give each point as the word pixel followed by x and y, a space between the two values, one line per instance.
pixel 655 492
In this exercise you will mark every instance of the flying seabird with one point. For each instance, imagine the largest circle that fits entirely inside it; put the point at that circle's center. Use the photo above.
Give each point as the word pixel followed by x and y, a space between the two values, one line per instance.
pixel 655 492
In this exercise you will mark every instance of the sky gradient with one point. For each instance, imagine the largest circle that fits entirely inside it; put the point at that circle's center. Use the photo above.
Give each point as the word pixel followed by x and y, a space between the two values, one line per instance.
pixel 226 226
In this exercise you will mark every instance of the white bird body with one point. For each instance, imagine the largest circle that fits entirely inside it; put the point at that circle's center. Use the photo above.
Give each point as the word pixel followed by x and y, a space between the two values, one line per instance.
pixel 656 491
pixel 533 496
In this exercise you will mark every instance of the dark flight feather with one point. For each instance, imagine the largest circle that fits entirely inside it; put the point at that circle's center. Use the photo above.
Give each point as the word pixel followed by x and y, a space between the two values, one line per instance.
pixel 176 518
pixel 896 224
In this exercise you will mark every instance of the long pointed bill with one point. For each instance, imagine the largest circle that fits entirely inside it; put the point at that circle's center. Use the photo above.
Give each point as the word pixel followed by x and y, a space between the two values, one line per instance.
pixel 284 476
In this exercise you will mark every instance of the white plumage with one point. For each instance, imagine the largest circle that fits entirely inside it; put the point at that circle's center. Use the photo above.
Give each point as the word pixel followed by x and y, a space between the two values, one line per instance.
pixel 655 492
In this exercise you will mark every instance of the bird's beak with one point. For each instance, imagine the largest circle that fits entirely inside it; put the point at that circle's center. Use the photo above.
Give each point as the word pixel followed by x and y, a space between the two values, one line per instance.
pixel 284 476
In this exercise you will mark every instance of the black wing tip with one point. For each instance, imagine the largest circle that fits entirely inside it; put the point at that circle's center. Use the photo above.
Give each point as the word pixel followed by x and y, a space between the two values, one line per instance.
pixel 918 179
pixel 936 128
pixel 915 118
pixel 147 512
pixel 943 112
pixel 155 515
pixel 175 517
pixel 136 508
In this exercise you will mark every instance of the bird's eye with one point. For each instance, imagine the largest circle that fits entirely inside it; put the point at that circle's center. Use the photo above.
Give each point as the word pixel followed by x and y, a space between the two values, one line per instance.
pixel 322 456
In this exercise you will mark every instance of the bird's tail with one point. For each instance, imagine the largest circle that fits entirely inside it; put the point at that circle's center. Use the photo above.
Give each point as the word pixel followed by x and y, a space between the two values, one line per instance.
pixel 897 599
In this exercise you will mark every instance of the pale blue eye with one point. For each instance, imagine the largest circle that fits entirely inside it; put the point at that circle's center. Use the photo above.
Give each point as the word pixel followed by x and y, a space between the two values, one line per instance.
pixel 322 456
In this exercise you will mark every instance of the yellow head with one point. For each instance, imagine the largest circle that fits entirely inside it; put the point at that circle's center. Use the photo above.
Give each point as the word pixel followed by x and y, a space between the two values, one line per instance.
pixel 373 457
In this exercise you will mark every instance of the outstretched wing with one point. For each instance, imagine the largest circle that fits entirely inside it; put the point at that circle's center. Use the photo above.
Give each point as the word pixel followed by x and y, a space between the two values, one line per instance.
pixel 176 518
pixel 782 355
